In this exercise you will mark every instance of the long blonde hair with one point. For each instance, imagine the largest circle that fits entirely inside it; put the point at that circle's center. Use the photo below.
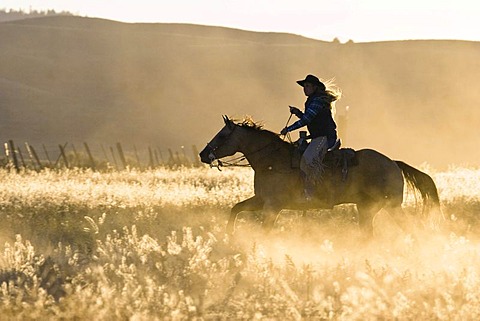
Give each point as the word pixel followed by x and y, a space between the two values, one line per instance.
pixel 331 93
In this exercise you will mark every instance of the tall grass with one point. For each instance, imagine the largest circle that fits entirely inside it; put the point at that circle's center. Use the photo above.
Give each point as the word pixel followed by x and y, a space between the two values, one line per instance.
pixel 150 245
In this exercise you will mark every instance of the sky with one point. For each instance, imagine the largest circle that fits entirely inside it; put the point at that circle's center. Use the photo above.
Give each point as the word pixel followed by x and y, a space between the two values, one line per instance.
pixel 357 20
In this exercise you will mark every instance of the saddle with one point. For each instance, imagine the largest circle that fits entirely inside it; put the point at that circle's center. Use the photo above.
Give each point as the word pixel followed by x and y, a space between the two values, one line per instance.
pixel 335 157
pixel 341 158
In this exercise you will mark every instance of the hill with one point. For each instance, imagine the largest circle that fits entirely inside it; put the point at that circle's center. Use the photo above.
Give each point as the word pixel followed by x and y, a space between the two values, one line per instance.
pixel 76 79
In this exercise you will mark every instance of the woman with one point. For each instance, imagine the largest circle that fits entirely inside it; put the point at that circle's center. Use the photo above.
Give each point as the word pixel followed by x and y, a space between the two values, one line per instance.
pixel 321 126
pixel 318 111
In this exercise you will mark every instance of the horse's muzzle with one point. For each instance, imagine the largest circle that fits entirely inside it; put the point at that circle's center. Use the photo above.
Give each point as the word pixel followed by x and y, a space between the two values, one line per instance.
pixel 206 155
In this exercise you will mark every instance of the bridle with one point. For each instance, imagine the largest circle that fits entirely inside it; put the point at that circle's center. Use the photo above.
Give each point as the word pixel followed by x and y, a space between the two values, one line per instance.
pixel 211 154
pixel 235 161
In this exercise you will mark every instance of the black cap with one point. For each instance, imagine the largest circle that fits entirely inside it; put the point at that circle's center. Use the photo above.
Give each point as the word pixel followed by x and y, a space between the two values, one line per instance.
pixel 312 80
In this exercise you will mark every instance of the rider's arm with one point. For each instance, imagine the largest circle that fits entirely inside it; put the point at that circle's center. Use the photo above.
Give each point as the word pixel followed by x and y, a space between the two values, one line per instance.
pixel 311 111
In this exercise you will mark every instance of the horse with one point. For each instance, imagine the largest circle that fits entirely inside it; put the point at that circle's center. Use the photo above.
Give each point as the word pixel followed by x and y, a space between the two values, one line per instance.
pixel 376 182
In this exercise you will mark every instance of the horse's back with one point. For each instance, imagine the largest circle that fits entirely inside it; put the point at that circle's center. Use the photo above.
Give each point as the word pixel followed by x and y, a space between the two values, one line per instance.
pixel 373 155
pixel 371 161
pixel 376 173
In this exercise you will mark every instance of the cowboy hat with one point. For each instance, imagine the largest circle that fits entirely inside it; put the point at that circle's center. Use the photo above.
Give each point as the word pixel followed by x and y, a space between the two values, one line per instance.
pixel 312 80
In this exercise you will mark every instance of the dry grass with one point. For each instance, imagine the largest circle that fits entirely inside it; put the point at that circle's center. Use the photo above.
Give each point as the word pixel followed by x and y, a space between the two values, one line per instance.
pixel 151 246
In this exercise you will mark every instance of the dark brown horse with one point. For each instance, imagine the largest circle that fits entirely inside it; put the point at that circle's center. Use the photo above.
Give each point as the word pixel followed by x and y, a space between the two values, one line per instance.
pixel 375 183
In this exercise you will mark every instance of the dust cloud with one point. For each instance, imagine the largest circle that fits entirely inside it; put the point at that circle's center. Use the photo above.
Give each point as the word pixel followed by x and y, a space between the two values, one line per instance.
pixel 167 85
pixel 136 236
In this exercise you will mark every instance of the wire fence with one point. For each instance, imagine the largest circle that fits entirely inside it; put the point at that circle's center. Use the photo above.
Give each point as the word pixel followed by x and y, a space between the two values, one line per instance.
pixel 115 157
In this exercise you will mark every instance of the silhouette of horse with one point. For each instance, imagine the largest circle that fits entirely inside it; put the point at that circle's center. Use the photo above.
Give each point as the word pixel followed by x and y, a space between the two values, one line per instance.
pixel 374 183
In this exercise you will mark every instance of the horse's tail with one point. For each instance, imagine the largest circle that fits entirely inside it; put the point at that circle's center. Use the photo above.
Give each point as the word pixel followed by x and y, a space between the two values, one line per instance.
pixel 423 183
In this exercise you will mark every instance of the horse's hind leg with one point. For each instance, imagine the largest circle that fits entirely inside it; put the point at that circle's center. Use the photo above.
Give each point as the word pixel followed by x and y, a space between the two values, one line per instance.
pixel 399 216
pixel 366 213
pixel 254 203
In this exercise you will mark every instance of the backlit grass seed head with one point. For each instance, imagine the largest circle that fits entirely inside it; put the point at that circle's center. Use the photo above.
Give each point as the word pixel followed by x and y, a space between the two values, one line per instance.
pixel 183 269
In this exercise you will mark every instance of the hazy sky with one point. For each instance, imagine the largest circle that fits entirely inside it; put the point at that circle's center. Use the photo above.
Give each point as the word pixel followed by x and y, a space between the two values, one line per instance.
pixel 359 20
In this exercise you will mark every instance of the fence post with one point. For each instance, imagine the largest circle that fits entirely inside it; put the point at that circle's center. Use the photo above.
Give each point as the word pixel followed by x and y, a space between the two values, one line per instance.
pixel 171 160
pixel 63 155
pixel 150 158
pixel 156 157
pixel 11 148
pixel 30 155
pixel 121 155
pixel 19 151
pixel 7 154
pixel 35 156
pixel 77 157
pixel 90 157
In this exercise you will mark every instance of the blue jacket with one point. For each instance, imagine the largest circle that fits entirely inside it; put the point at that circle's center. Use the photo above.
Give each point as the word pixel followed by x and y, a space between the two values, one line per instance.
pixel 318 119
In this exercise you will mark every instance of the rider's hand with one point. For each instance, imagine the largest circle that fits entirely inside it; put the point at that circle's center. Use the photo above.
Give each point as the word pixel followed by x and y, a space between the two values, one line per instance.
pixel 295 111
pixel 284 131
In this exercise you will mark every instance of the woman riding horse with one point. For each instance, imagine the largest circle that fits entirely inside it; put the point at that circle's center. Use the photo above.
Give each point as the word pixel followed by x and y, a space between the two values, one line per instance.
pixel 376 181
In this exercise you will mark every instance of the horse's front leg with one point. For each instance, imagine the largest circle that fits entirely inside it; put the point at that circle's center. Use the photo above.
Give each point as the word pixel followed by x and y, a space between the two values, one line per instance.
pixel 271 210
pixel 254 203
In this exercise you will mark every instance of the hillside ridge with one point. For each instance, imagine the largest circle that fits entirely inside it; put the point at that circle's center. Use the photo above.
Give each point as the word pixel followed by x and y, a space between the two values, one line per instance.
pixel 87 79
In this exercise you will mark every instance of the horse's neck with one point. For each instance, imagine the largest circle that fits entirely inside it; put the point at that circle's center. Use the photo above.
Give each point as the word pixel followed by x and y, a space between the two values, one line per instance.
pixel 266 153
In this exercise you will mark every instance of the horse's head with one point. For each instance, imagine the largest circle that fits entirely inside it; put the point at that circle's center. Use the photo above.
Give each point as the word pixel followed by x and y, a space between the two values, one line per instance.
pixel 223 144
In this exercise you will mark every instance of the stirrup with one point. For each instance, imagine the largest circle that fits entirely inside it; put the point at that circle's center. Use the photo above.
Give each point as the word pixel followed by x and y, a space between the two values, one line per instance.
pixel 335 146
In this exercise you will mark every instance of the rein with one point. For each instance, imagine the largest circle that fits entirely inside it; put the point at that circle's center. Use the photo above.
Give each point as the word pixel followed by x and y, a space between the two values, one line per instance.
pixel 235 162
pixel 287 135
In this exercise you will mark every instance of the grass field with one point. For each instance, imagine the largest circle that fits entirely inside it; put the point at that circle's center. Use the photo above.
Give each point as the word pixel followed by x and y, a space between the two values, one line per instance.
pixel 150 245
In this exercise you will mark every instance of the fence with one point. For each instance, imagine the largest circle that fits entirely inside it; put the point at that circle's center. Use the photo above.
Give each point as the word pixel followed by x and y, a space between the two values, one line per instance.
pixel 19 157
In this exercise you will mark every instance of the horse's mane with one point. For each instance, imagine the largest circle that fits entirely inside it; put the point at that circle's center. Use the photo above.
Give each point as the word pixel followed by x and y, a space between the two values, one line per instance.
pixel 250 124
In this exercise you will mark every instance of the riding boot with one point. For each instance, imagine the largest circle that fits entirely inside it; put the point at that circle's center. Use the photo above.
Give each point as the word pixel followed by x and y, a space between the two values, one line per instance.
pixel 309 190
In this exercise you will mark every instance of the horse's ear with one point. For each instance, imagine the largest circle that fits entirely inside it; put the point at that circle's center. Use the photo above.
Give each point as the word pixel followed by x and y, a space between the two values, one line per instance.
pixel 227 121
